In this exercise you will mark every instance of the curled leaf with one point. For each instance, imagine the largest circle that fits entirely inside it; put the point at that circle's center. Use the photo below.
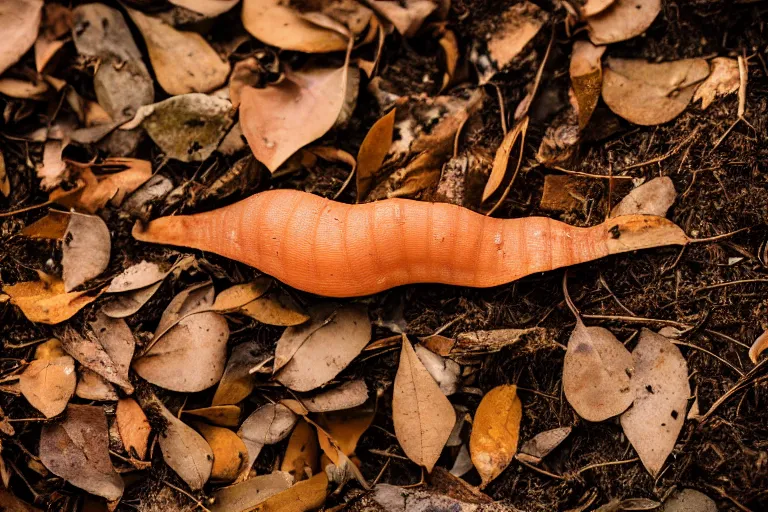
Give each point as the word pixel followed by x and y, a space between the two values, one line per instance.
pixel 348 395
pixel 372 152
pixel 275 308
pixel 723 80
pixel 268 424
pixel 542 444
pixel 237 382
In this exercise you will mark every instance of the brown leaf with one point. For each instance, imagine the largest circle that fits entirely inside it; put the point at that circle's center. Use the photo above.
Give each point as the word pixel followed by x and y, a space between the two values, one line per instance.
pixel 596 373
pixel 92 386
pixel 237 296
pixel 308 356
pixel 10 503
pixel 52 170
pixel 128 303
pixel 229 452
pixel 45 301
pixel 660 389
pixel 276 24
pixel 689 500
pixel 592 7
pixel 49 383
pixel 302 455
pixel 133 426
pixel 622 20
pixel 652 198
pixel 194 299
pixel 495 432
pixel 542 444
pixel 247 72
pixel 422 415
pixel 19 22
pixel 183 61
pixel 275 308
pixel 53 226
pixel 758 347
pixel 268 424
pixel 243 497
pixel 280 119
pixel 77 450
pixel 646 93
pixel 23 89
pixel 5 183
pixel 86 250
pixel 501 160
pixel 445 371
pixel 302 497
pixel 373 150
pixel 408 16
pixel 137 276
pixel 185 451
pixel 348 395
pixel 586 73
pixel 722 81
pixel 208 8
pixel 346 427
pixel 223 415
pixel 237 382
pixel 57 22
pixel 113 188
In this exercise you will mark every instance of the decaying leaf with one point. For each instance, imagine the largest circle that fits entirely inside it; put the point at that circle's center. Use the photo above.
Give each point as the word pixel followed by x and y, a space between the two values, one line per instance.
pixel 422 415
pixel 268 424
pixel 133 426
pixel 275 308
pixel 277 24
pixel 190 356
pixel 92 386
pixel 302 497
pixel 348 395
pixel 50 380
pixel 542 444
pixel 373 150
pixel 128 303
pixel 280 119
pixel 237 382
pixel 586 73
pixel 229 452
pixel 646 93
pixel 596 373
pixel 86 250
pixel 445 371
pixel 183 61
pixel 302 455
pixel 660 389
pixel 495 432
pixel 408 16
pixel 19 22
pixel 223 415
pixel 310 355
pixel 652 198
pixel 689 500
pixel 185 451
pixel 722 81
pixel 243 497
pixel 622 20
pixel 99 189
pixel 758 347
pixel 188 127
pixel 45 301
pixel 77 450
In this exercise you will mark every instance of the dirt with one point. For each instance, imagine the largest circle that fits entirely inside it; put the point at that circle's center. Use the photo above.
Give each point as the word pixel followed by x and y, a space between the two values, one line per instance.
pixel 722 184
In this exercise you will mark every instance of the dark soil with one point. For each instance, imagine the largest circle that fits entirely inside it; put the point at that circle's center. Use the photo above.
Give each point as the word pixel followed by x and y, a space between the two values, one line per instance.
pixel 722 186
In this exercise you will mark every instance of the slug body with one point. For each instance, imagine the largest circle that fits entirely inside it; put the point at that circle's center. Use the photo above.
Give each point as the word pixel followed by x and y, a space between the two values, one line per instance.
pixel 341 250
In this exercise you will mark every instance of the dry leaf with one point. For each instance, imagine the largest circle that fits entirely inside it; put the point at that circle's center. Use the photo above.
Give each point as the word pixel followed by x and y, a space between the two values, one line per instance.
pixel 92 386
pixel 23 89
pixel 422 415
pixel 346 427
pixel 229 452
pixel 114 187
pixel 275 308
pixel 652 198
pixel 5 183
pixel 243 497
pixel 53 169
pixel 19 22
pixel 276 24
pixel 722 81
pixel 77 450
pixel 310 355
pixel 280 119
pixel 128 303
pixel 445 371
pixel 660 389
pixel 542 444
pixel 57 23
pixel 187 127
pixel 223 415
pixel 407 16
pixel 450 47
pixel 140 275
pixel 183 61
pixel 592 7
pixel 501 160
pixel 10 503
pixel 373 150
pixel 247 72
pixel 53 226
pixel 45 301
pixel 237 296
pixel 596 373
pixel 495 432
pixel 49 383
pixel 622 20
pixel 133 426
pixel 586 78
pixel 758 347
pixel 348 395
pixel 185 451
pixel 689 500
pixel 268 424
pixel 302 497
pixel 86 250
pixel 189 357
pixel 302 455
pixel 646 93
pixel 237 382
pixel 208 8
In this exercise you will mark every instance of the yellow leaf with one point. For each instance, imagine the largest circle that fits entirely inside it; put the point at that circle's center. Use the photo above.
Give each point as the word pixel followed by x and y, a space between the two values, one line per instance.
pixel 275 308
pixel 496 431
pixel 223 415
pixel 239 295
pixel 46 301
pixel 302 454
pixel 302 497
pixel 501 160
pixel 229 451
pixel 133 426
pixel 372 152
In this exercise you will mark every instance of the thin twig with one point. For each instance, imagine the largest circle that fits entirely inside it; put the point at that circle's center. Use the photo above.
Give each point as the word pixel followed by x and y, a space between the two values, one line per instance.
pixel 602 464
pixel 734 368
pixel 539 470
pixel 729 283
pixel 185 493
pixel 588 175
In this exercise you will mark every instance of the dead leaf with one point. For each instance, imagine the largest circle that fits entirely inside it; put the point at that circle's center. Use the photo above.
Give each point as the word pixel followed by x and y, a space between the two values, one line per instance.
pixel 347 426
pixel 133 426
pixel 57 22
pixel 408 16
pixel 495 432
pixel 49 383
pixel 189 357
pixel 53 169
pixel 450 47
pixel 237 383
pixel 185 451
pixel 77 450
pixel 45 301
pixel 501 160
pixel 275 308
pixel 302 497
pixel 689 500
pixel 310 355
pixel 622 20
pixel 268 424
pixel 722 81
pixel 542 444
pixel 10 503
pixel 19 22
pixel 23 89
pixel 116 186
pixel 140 275
pixel 223 415
pixel 422 415
pixel 208 8
pixel 52 227
pixel 92 386
pixel 592 7
pixel 194 299
pixel 183 61
pixel 237 296
pixel 86 250
pixel 646 93
pixel 128 303
pixel 5 183
pixel 348 395
pixel 246 72
pixel 758 347
pixel 276 24
pixel 302 455
pixel 229 452
pixel 660 389
pixel 280 119
pixel 445 371
pixel 586 73
pixel 187 127
pixel 243 497
pixel 596 373
pixel 372 152
pixel 652 198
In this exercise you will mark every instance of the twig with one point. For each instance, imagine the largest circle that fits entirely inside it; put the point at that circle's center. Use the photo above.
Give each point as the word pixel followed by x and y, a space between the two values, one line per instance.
pixel 588 175
pixel 717 237
pixel 387 454
pixel 539 470
pixel 741 373
pixel 742 383
pixel 602 464
pixel 381 473
pixel 729 283
pixel 185 493
pixel 501 108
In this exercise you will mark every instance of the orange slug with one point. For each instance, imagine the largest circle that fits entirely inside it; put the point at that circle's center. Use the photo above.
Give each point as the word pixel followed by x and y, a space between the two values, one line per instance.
pixel 341 250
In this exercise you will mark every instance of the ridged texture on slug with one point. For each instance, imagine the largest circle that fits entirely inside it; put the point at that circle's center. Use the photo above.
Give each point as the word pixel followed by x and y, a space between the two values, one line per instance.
pixel 340 250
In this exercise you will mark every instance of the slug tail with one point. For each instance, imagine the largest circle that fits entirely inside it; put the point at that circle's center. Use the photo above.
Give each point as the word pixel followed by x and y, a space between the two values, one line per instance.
pixel 174 230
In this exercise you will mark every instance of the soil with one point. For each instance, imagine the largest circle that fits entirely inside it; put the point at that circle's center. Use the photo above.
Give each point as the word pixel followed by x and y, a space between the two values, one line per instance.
pixel 722 181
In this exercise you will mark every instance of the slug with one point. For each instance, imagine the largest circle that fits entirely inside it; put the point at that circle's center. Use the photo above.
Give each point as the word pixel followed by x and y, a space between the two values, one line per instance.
pixel 341 250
